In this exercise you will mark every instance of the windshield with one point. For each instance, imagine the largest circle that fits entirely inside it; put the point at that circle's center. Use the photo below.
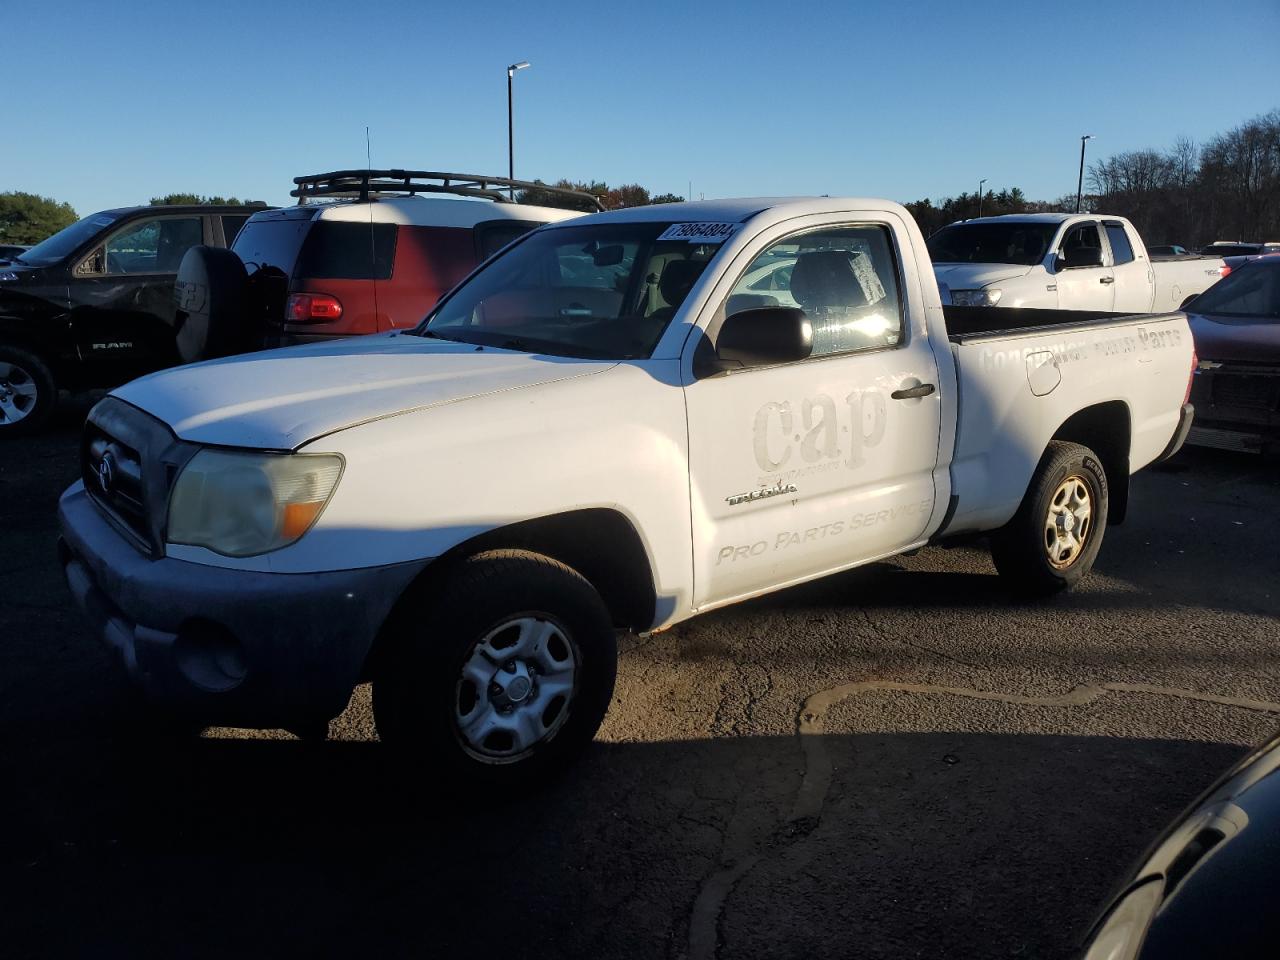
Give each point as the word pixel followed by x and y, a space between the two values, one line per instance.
pixel 1251 291
pixel 604 291
pixel 1020 243
pixel 65 242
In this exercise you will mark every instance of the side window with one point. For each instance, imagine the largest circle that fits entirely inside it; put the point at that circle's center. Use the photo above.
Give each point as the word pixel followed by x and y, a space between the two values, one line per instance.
pixel 1121 248
pixel 844 279
pixel 231 226
pixel 348 250
pixel 1080 237
pixel 153 246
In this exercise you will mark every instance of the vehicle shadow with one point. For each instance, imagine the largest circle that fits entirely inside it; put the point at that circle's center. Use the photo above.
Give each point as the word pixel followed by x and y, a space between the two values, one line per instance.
pixel 922 845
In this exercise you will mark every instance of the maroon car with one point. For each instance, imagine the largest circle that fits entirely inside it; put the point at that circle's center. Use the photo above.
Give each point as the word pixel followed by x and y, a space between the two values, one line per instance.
pixel 1236 393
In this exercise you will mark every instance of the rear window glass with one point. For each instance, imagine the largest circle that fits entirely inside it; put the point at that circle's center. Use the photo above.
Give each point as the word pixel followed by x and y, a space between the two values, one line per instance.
pixel 348 251
pixel 271 246
pixel 1121 248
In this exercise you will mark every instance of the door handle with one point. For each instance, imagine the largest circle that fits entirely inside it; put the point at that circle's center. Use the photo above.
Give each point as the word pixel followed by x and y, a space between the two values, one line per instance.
pixel 913 393
pixel 1106 279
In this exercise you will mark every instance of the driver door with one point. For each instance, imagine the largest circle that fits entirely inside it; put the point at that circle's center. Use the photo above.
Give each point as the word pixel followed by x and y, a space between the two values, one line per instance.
pixel 1084 288
pixel 122 309
pixel 802 468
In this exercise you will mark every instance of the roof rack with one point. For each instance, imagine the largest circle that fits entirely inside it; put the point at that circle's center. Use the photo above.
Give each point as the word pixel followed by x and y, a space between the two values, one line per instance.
pixel 365 183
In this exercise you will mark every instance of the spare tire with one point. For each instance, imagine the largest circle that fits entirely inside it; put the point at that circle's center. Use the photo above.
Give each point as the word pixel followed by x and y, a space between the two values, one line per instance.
pixel 211 319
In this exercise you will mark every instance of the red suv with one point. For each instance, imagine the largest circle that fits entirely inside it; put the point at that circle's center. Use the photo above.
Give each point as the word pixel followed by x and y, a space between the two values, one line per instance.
pixel 364 251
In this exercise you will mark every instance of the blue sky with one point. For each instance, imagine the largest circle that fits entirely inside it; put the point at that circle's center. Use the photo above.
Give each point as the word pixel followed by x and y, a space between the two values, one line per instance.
pixel 111 103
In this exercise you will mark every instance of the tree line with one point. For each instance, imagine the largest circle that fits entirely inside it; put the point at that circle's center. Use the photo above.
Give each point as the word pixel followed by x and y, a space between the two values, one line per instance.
pixel 1227 189
pixel 1189 194
pixel 611 198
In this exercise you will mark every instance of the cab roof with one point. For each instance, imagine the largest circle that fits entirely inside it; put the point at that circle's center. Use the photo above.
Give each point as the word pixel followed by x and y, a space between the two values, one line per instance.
pixel 744 209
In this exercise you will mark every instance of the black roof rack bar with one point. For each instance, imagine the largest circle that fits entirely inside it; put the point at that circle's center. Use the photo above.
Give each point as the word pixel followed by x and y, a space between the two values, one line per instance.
pixel 363 183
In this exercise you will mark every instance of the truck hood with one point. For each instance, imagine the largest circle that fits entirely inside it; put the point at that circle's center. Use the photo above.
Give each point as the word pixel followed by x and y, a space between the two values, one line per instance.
pixel 1236 339
pixel 970 276
pixel 280 399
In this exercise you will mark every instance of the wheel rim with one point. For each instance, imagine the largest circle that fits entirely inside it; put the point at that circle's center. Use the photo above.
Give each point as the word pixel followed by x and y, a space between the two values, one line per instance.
pixel 18 393
pixel 1069 522
pixel 515 689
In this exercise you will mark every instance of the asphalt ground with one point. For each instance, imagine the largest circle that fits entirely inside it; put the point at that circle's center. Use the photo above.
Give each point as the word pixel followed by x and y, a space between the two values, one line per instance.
pixel 894 762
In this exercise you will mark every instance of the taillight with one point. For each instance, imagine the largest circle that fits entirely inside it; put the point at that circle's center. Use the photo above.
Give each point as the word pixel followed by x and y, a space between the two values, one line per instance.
pixel 312 308
pixel 1191 378
pixel 1223 271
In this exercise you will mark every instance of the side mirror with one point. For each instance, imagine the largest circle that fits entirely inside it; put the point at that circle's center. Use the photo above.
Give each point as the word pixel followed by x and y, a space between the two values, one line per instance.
pixel 765 336
pixel 608 256
pixel 1081 257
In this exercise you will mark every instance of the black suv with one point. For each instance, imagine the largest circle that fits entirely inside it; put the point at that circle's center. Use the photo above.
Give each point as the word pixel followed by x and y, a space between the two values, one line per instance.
pixel 93 305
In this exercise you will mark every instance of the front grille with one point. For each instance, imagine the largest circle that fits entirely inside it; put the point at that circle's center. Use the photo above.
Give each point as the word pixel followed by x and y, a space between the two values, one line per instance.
pixel 1255 391
pixel 112 473
pixel 129 461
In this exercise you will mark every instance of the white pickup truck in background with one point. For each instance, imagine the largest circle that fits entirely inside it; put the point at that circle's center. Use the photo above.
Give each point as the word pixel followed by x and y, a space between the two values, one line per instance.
pixel 619 421
pixel 1065 261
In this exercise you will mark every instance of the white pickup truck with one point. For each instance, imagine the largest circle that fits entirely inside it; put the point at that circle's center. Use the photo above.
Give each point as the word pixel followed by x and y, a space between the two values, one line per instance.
pixel 613 423
pixel 1063 260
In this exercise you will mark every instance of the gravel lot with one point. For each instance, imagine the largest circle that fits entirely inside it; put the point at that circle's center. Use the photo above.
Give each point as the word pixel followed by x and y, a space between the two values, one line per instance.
pixel 894 762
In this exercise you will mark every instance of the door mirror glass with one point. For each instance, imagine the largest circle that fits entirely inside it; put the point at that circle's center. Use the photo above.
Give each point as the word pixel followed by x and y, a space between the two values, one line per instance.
pixel 92 265
pixel 765 336
pixel 609 255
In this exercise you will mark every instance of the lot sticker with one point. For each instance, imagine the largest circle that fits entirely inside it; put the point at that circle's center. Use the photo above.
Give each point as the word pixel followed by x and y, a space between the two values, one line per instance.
pixel 700 232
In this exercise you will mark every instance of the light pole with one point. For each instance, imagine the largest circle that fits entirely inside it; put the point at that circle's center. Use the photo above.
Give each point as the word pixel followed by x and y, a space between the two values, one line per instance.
pixel 511 140
pixel 1080 182
pixel 980 183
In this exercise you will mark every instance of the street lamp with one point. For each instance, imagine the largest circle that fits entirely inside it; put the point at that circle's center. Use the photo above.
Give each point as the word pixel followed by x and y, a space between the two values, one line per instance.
pixel 511 146
pixel 980 183
pixel 1080 182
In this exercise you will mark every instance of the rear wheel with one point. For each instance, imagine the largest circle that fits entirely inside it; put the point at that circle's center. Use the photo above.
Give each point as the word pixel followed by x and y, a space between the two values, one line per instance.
pixel 28 393
pixel 1052 541
pixel 500 673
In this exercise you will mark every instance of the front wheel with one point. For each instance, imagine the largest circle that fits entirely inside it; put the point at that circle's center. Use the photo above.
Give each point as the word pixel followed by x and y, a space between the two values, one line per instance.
pixel 500 672
pixel 1053 539
pixel 27 392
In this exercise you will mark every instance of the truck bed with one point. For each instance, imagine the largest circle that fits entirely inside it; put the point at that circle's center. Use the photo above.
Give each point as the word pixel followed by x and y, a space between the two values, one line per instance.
pixel 969 323
pixel 1022 373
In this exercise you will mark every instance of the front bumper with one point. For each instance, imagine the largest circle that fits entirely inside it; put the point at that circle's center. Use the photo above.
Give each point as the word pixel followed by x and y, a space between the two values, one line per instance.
pixel 228 647
pixel 1238 404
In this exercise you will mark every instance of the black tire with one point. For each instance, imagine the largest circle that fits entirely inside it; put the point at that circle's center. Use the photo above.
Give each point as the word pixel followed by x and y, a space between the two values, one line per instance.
pixel 27 386
pixel 419 688
pixel 1023 549
pixel 210 294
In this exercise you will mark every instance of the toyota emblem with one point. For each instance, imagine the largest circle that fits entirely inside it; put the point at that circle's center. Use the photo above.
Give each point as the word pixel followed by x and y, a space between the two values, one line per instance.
pixel 106 472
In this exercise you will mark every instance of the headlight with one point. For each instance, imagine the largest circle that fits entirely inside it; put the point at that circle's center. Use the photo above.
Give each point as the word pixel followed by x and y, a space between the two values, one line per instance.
pixel 8 275
pixel 987 297
pixel 241 504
